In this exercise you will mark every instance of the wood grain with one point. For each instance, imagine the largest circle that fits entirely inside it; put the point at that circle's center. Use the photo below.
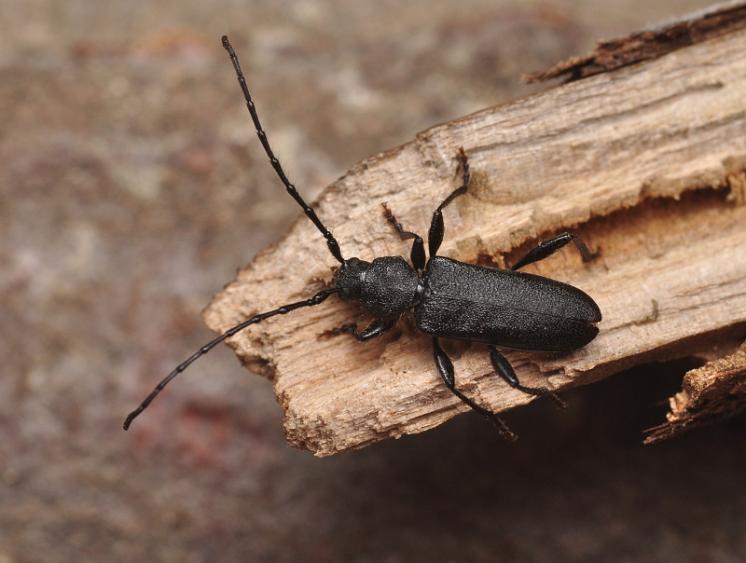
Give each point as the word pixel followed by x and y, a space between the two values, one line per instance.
pixel 646 162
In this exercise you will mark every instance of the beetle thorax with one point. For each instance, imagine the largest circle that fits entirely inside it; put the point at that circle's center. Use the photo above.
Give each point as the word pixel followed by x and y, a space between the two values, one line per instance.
pixel 386 287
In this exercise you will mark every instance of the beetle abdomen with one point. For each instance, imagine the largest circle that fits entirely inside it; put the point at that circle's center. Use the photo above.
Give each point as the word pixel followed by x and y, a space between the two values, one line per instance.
pixel 504 307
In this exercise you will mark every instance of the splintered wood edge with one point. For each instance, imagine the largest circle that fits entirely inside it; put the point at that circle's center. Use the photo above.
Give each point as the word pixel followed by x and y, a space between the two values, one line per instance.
pixel 590 155
pixel 711 393
pixel 611 54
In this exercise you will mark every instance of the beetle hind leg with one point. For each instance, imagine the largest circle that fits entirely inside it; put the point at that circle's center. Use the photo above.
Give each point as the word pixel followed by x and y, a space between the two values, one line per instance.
pixel 505 370
pixel 446 371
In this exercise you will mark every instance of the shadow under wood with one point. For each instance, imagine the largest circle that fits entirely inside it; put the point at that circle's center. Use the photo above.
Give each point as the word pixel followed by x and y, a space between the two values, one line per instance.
pixel 578 484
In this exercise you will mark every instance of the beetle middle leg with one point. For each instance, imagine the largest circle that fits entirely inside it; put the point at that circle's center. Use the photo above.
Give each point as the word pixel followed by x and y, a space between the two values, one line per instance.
pixel 437 228
pixel 548 247
pixel 505 370
pixel 417 255
pixel 445 369
pixel 376 328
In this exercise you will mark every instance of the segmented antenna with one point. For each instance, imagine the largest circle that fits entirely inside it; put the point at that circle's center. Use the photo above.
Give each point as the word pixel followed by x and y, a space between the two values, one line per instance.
pixel 331 242
pixel 315 300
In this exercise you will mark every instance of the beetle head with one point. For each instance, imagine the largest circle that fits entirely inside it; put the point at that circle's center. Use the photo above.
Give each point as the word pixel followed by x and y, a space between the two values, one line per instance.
pixel 349 278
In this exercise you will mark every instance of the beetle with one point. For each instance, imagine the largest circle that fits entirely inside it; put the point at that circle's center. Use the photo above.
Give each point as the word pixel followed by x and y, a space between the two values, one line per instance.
pixel 450 299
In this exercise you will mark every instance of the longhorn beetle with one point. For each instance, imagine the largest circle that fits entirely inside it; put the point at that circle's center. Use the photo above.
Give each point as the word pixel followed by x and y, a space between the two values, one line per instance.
pixel 496 307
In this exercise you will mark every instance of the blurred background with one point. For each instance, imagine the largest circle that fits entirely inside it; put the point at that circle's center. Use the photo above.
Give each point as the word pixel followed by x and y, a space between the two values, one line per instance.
pixel 131 189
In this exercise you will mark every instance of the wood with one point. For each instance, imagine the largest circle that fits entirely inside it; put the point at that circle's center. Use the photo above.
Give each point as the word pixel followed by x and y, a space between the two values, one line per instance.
pixel 649 44
pixel 647 163
pixel 713 392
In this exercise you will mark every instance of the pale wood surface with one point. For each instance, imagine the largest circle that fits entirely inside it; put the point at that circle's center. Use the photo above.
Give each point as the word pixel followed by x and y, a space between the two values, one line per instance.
pixel 646 162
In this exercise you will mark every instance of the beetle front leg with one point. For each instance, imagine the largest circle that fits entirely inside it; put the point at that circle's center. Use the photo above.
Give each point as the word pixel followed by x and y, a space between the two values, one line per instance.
pixel 437 227
pixel 505 370
pixel 548 247
pixel 445 369
pixel 376 328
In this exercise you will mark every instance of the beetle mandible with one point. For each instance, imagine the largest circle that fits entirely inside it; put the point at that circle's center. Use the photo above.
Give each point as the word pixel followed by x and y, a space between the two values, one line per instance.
pixel 450 299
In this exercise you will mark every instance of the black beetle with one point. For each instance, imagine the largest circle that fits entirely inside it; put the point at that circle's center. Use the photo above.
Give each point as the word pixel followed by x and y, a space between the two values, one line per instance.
pixel 450 299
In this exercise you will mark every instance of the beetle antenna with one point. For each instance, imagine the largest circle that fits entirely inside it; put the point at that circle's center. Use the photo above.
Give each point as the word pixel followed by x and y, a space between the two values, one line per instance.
pixel 331 242
pixel 315 300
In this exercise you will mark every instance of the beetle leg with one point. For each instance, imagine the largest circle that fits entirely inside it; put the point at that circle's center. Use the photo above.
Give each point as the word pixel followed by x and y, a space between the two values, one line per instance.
pixel 437 227
pixel 376 328
pixel 417 255
pixel 505 370
pixel 548 247
pixel 445 369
